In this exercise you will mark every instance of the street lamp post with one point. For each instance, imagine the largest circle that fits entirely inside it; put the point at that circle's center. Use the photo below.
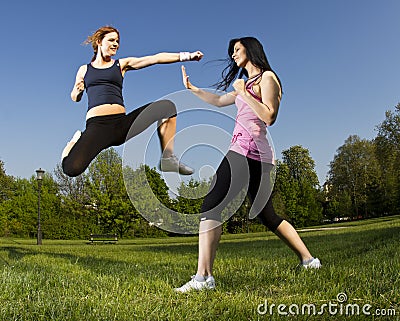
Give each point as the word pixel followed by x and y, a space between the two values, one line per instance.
pixel 39 178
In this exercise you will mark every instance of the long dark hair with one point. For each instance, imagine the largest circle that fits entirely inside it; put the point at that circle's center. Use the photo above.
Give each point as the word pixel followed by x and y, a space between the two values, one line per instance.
pixel 256 55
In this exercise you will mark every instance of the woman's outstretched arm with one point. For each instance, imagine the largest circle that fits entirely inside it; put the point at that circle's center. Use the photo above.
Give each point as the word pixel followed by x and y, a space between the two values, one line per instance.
pixel 210 98
pixel 159 58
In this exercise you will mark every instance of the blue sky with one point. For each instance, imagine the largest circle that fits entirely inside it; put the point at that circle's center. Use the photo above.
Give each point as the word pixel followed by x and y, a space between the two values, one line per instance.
pixel 338 62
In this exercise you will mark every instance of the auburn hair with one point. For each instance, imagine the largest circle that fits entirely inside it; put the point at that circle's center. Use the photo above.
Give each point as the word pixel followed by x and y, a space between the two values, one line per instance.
pixel 98 36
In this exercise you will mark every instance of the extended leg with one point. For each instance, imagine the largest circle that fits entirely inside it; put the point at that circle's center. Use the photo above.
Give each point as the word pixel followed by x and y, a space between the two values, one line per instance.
pixel 209 237
pixel 260 194
pixel 169 162
pixel 231 177
pixel 166 134
pixel 164 113
pixel 289 235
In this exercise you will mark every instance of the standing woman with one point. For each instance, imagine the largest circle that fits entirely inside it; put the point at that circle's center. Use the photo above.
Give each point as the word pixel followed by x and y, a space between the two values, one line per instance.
pixel 107 124
pixel 249 161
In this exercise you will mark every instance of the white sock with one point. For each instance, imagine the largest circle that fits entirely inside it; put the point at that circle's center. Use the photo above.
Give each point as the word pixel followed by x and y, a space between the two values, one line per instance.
pixel 307 261
pixel 167 154
pixel 200 278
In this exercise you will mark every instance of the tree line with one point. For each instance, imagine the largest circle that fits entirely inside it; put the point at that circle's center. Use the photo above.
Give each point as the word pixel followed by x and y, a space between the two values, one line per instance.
pixel 364 176
pixel 363 181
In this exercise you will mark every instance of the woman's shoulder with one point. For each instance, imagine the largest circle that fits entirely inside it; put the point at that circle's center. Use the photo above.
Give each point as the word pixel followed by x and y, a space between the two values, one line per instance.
pixel 269 78
pixel 82 70
pixel 124 61
pixel 268 75
pixel 270 82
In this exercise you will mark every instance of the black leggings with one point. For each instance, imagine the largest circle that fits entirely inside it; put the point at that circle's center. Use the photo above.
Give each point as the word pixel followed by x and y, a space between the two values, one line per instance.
pixel 235 173
pixel 113 130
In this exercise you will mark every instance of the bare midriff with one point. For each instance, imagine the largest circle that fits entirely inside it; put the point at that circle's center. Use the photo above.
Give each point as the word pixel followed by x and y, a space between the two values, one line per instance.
pixel 106 109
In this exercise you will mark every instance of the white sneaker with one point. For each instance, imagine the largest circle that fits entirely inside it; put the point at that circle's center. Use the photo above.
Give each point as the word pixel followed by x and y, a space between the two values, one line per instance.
pixel 67 149
pixel 314 263
pixel 193 284
pixel 76 136
pixel 172 164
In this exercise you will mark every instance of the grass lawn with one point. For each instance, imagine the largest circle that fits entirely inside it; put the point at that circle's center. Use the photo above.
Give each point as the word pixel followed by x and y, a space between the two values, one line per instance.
pixel 255 273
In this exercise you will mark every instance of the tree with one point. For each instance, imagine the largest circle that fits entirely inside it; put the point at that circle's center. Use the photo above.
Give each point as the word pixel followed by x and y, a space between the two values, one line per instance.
pixel 191 196
pixel 7 190
pixel 108 197
pixel 149 195
pixel 189 201
pixel 300 165
pixel 6 184
pixel 72 188
pixel 50 207
pixel 353 179
pixel 387 145
pixel 21 210
pixel 297 194
pixel 77 217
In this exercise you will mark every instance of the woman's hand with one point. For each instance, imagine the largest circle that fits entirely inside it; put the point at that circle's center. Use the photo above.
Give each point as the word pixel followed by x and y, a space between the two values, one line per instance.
pixel 239 86
pixel 80 87
pixel 196 56
pixel 185 79
pixel 210 98
pixel 77 92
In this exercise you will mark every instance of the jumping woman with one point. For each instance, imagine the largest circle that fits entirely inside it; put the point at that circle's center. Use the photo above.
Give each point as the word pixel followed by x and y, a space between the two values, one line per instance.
pixel 107 123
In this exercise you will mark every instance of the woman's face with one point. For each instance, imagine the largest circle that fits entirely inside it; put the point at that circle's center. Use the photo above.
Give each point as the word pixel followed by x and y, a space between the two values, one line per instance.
pixel 110 44
pixel 239 55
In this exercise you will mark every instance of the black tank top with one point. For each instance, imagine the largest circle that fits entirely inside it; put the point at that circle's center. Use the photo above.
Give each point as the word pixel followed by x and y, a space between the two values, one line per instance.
pixel 104 86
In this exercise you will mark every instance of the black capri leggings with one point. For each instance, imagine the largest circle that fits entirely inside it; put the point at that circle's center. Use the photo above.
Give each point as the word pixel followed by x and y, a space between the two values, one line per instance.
pixel 235 173
pixel 113 130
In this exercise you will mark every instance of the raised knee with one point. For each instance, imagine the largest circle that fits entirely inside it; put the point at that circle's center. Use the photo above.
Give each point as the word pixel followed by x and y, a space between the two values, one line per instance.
pixel 71 169
pixel 169 108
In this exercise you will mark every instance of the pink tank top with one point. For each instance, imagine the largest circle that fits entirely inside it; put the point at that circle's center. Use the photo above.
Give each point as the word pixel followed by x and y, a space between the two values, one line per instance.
pixel 250 132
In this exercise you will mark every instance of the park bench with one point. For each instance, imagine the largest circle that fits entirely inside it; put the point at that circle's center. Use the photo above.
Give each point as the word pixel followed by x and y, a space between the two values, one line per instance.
pixel 104 238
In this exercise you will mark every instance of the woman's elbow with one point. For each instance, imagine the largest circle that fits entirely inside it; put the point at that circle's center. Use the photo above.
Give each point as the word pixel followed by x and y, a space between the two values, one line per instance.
pixel 270 120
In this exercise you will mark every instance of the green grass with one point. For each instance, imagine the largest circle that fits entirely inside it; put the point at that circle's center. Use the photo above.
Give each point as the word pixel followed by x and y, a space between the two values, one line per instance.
pixel 133 280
